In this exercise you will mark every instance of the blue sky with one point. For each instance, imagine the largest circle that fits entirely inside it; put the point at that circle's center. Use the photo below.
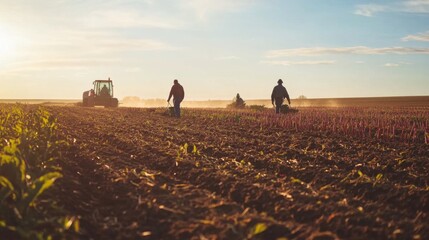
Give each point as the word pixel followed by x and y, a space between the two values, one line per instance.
pixel 216 48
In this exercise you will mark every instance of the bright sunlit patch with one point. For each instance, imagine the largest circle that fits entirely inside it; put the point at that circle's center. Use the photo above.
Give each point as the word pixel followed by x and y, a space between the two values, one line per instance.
pixel 7 44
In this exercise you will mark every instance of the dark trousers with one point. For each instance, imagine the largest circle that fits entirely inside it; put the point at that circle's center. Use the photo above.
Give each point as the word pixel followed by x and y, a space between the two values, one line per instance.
pixel 279 103
pixel 176 103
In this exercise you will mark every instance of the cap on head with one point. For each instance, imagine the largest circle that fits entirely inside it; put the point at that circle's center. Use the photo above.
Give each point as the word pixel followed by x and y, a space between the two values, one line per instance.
pixel 175 81
pixel 280 81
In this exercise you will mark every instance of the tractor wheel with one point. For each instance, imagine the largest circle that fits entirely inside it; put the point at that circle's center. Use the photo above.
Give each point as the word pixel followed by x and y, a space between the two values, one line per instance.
pixel 89 102
pixel 114 102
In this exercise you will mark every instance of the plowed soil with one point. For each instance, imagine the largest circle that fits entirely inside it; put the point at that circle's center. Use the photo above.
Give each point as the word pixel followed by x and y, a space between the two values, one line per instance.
pixel 134 173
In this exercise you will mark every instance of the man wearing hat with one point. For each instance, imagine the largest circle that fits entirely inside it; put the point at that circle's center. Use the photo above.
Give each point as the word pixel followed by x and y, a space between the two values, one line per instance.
pixel 278 95
pixel 178 94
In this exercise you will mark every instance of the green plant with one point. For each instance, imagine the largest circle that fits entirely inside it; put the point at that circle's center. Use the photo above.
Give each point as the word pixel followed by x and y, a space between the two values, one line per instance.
pixel 257 229
pixel 27 171
pixel 18 187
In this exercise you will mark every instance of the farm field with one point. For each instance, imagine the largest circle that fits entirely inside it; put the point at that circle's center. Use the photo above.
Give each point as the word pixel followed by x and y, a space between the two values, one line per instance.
pixel 322 173
pixel 404 101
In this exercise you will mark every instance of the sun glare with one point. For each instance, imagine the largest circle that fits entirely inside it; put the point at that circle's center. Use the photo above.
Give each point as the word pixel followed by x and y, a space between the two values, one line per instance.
pixel 7 44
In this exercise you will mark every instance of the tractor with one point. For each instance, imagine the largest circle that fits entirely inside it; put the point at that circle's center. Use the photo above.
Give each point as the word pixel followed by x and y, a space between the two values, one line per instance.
pixel 100 95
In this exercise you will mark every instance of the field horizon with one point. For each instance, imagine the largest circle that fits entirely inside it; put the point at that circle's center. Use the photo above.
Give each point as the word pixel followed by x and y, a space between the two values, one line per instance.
pixel 411 101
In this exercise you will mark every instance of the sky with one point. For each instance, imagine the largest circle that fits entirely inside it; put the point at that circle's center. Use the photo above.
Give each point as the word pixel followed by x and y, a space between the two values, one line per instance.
pixel 54 49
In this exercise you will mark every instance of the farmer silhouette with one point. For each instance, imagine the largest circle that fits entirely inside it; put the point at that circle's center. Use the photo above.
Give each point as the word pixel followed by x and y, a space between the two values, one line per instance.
pixel 178 94
pixel 239 102
pixel 278 95
pixel 104 91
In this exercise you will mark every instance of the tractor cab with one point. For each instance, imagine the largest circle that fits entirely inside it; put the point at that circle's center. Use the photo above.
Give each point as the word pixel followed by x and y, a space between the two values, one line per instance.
pixel 100 95
pixel 103 88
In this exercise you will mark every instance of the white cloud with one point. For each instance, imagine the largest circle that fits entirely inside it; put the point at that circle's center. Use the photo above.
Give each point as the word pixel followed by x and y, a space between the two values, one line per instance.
pixel 94 42
pixel 288 63
pixel 93 14
pixel 407 6
pixel 416 6
pixel 391 65
pixel 129 18
pixel 227 58
pixel 70 49
pixel 205 8
pixel 59 63
pixel 368 10
pixel 397 64
pixel 359 62
pixel 119 44
pixel 316 51
pixel 70 34
pixel 423 37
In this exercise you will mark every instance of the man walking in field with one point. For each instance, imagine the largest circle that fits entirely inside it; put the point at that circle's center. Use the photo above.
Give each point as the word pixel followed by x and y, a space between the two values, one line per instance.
pixel 178 94
pixel 278 95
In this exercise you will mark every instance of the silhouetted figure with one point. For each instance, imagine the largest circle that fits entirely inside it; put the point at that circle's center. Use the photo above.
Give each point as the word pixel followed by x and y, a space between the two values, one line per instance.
pixel 104 91
pixel 178 94
pixel 278 95
pixel 239 102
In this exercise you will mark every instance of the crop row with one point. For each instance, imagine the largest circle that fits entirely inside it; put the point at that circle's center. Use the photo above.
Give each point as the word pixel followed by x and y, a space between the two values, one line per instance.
pixel 409 125
pixel 339 184
pixel 29 149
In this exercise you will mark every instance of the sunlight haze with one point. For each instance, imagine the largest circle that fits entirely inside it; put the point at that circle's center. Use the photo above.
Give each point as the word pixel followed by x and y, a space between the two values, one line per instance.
pixel 215 48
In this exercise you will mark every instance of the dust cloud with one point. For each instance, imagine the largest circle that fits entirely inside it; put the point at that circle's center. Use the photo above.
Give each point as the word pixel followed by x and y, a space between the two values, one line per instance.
pixel 150 103
pixel 415 101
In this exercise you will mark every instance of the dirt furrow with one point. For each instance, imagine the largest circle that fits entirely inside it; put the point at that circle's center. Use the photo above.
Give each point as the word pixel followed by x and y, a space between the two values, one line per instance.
pixel 176 193
pixel 297 182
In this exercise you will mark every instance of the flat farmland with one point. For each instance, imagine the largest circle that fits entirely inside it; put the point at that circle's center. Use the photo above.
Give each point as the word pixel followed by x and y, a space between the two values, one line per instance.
pixel 137 173
pixel 321 173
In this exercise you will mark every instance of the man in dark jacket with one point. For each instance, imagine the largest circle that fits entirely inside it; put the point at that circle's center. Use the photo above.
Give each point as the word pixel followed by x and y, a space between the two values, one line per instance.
pixel 104 92
pixel 278 95
pixel 178 94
